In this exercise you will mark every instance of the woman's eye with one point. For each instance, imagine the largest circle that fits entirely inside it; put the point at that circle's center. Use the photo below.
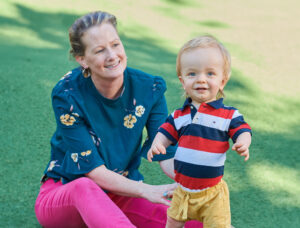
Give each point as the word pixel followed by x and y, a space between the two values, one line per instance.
pixel 100 50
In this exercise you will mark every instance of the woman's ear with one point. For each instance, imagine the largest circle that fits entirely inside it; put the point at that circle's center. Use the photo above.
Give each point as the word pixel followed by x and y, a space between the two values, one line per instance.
pixel 81 61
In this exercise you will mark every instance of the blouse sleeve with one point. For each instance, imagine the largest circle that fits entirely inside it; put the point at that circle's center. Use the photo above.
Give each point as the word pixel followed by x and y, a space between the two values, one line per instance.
pixel 81 154
pixel 156 118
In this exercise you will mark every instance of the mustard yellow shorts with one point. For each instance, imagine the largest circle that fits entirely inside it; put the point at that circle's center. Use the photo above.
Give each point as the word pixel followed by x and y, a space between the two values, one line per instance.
pixel 210 206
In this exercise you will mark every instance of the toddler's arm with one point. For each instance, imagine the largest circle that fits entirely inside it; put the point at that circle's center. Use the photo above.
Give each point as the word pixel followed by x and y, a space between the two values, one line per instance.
pixel 242 144
pixel 159 145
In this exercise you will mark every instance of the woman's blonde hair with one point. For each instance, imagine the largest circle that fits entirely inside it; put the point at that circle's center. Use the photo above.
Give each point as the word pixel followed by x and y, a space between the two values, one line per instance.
pixel 76 31
pixel 206 41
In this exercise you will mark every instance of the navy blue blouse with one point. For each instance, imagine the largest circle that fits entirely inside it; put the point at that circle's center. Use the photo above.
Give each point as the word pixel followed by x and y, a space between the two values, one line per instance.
pixel 93 130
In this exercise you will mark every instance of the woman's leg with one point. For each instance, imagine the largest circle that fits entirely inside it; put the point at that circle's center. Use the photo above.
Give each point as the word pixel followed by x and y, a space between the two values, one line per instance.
pixel 146 214
pixel 80 203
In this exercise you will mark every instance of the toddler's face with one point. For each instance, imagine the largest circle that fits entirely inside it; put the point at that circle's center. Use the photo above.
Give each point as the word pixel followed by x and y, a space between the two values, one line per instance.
pixel 202 73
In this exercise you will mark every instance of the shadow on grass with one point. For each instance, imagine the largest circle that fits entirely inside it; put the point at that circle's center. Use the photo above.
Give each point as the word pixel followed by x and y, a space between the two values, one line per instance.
pixel 27 123
pixel 213 24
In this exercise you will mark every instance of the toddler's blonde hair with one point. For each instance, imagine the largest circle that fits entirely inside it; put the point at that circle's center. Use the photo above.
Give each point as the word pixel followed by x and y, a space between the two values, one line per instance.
pixel 206 41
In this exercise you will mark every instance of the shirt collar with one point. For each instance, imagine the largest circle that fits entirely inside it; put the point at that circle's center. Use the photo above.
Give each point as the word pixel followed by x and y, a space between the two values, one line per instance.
pixel 215 104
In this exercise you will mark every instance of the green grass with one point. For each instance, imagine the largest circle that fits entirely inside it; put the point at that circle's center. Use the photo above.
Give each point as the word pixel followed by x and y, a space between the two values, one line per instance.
pixel 263 38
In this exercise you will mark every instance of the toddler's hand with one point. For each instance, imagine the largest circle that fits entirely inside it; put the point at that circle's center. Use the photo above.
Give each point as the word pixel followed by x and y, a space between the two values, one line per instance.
pixel 242 149
pixel 155 149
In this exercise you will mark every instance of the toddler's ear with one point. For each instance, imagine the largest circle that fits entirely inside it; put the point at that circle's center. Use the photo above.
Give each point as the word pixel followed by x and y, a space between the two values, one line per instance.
pixel 182 81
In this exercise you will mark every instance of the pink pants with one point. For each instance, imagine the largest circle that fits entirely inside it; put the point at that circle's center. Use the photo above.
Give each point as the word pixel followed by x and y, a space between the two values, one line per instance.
pixel 82 203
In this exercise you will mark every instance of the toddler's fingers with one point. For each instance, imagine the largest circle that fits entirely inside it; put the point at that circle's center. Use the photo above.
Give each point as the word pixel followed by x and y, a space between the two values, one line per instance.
pixel 155 150
pixel 242 149
pixel 162 149
pixel 150 156
pixel 246 155
pixel 236 146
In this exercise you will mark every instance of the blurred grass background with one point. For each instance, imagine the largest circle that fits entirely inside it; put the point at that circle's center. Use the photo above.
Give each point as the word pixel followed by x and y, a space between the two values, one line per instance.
pixel 264 40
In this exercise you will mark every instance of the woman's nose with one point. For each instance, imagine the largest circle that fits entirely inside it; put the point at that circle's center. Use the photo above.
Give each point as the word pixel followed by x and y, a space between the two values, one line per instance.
pixel 111 54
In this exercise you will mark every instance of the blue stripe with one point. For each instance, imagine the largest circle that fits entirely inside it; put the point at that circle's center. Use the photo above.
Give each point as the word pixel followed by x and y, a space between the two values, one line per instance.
pixel 168 135
pixel 204 132
pixel 198 171
pixel 234 137
pixel 236 122
pixel 170 120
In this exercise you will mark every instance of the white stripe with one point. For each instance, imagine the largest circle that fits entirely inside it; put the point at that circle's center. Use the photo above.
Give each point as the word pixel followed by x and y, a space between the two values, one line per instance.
pixel 236 114
pixel 182 121
pixel 198 157
pixel 213 122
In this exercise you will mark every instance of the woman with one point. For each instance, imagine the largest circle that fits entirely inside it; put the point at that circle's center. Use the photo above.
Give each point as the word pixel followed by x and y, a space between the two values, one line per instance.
pixel 101 108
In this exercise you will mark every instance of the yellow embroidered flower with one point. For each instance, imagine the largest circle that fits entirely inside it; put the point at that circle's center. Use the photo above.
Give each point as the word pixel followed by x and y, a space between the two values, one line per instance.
pixel 86 153
pixel 125 173
pixel 129 121
pixel 75 114
pixel 67 119
pixel 139 110
pixel 74 156
pixel 51 165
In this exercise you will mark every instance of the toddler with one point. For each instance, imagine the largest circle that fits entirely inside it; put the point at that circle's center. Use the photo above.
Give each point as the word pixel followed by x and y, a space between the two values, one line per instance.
pixel 202 128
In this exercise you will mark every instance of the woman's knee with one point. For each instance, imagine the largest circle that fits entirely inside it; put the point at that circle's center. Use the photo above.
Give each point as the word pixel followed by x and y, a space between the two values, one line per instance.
pixel 84 182
pixel 83 185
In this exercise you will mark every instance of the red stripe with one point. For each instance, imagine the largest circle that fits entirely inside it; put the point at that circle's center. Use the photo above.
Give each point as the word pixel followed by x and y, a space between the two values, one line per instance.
pixel 179 113
pixel 170 129
pixel 198 143
pixel 196 183
pixel 233 131
pixel 221 112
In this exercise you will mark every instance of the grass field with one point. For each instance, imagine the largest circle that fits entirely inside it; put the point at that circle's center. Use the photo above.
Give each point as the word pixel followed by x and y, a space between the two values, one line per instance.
pixel 263 37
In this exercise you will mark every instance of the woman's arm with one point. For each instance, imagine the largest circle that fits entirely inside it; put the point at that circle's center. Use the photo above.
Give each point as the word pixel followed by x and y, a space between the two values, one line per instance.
pixel 121 185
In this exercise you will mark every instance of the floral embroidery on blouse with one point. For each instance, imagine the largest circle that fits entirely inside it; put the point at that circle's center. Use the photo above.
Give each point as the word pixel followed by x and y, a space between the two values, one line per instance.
pixel 139 110
pixel 51 165
pixel 74 156
pixel 66 75
pixel 129 121
pixel 67 119
pixel 125 173
pixel 86 153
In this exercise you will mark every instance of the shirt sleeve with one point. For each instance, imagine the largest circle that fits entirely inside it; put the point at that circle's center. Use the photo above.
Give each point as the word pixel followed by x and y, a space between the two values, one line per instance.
pixel 238 126
pixel 156 118
pixel 169 129
pixel 81 154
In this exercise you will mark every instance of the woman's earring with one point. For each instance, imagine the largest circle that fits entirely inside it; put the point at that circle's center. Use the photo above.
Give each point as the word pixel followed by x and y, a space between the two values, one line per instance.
pixel 86 72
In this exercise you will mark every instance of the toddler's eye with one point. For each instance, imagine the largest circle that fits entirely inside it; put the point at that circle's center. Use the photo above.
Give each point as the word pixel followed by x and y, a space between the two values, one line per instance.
pixel 210 73
pixel 116 44
pixel 191 74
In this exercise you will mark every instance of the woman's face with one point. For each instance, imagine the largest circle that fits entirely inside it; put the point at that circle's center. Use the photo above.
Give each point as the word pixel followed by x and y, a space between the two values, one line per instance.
pixel 104 52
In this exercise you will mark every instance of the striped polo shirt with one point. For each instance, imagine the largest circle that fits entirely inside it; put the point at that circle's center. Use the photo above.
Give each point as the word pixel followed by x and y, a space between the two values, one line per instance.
pixel 203 139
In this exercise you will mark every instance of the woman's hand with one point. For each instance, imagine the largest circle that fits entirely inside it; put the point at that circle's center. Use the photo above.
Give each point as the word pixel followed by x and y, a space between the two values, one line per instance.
pixel 158 193
pixel 121 185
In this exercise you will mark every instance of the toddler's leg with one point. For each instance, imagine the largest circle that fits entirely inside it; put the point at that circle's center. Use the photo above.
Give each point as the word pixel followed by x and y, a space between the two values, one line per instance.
pixel 172 223
pixel 143 213
pixel 79 203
